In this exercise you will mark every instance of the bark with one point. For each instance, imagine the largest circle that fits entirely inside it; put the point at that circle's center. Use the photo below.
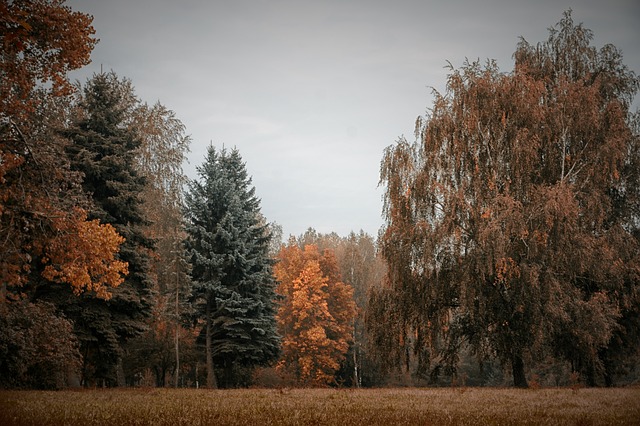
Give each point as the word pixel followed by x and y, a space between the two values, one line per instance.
pixel 120 378
pixel 519 378
pixel 211 374
pixel 177 346
pixel 228 381
pixel 356 372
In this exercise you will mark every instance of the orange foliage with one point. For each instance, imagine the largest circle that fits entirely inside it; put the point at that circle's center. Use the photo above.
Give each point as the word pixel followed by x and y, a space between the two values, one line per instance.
pixel 315 319
pixel 41 41
pixel 84 256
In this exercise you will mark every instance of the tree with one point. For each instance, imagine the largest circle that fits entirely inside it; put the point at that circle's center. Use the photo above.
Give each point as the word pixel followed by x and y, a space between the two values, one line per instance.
pixel 233 285
pixel 316 316
pixel 102 150
pixel 362 268
pixel 40 201
pixel 47 239
pixel 85 256
pixel 512 221
pixel 41 42
pixel 37 347
pixel 159 160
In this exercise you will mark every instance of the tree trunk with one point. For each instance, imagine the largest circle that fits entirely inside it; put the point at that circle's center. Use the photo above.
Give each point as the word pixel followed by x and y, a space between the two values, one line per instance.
pixel 356 372
pixel 591 375
pixel 517 365
pixel 158 375
pixel 228 381
pixel 120 378
pixel 177 345
pixel 608 371
pixel 211 374
pixel 177 369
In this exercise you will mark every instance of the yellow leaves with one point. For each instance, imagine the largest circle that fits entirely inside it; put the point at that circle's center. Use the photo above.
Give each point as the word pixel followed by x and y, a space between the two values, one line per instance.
pixel 83 255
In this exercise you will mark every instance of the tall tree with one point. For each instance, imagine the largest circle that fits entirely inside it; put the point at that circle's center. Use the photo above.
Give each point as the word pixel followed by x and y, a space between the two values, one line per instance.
pixel 233 285
pixel 45 235
pixel 316 316
pixel 103 152
pixel 362 268
pixel 512 221
pixel 159 160
pixel 40 201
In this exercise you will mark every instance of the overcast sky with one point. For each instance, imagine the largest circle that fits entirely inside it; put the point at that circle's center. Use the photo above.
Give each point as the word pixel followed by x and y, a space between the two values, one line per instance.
pixel 311 92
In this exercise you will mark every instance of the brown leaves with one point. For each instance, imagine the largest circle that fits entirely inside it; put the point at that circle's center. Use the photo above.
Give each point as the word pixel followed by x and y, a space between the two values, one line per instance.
pixel 83 255
pixel 525 179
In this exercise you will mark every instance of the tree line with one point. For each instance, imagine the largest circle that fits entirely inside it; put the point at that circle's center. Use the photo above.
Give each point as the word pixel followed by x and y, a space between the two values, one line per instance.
pixel 509 251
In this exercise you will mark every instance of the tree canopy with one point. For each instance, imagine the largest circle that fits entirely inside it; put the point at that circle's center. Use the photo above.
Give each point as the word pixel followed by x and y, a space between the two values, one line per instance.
pixel 512 221
pixel 510 249
pixel 316 315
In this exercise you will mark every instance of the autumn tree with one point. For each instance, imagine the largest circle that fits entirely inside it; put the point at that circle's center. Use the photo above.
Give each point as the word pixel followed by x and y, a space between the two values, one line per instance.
pixel 38 348
pixel 159 159
pixel 103 152
pixel 362 268
pixel 316 316
pixel 46 237
pixel 233 285
pixel 511 222
pixel 41 203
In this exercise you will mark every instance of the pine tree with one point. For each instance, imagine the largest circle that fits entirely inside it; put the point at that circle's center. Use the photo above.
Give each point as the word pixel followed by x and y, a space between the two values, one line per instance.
pixel 103 149
pixel 233 286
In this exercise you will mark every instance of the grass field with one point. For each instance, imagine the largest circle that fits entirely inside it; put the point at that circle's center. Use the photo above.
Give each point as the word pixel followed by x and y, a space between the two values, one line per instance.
pixel 321 406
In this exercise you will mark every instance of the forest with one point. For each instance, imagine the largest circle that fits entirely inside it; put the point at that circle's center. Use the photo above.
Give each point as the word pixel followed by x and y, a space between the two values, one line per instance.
pixel 509 256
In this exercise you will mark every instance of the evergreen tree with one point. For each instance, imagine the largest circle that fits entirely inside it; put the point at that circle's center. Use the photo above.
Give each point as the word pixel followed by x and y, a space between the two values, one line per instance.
pixel 102 150
pixel 233 285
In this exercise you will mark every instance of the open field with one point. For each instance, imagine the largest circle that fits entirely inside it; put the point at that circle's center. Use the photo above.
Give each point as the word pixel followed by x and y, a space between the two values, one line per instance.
pixel 321 406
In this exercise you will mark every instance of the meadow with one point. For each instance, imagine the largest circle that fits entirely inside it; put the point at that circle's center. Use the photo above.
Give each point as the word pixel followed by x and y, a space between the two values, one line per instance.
pixel 399 406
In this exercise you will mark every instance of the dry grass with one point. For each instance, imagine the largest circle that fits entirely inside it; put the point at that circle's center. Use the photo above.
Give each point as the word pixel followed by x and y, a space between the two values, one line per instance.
pixel 321 406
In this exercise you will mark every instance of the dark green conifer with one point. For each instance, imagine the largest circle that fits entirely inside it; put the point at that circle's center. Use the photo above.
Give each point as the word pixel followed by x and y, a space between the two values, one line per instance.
pixel 228 244
pixel 102 149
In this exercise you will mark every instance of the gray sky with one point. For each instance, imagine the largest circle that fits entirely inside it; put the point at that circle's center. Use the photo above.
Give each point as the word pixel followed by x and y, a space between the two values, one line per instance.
pixel 311 92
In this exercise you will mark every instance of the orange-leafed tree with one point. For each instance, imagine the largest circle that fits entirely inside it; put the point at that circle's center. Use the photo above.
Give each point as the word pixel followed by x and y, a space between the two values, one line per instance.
pixel 84 256
pixel 41 41
pixel 316 315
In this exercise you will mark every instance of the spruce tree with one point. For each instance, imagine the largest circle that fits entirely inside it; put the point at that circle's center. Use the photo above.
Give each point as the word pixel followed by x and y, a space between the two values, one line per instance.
pixel 233 285
pixel 102 150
